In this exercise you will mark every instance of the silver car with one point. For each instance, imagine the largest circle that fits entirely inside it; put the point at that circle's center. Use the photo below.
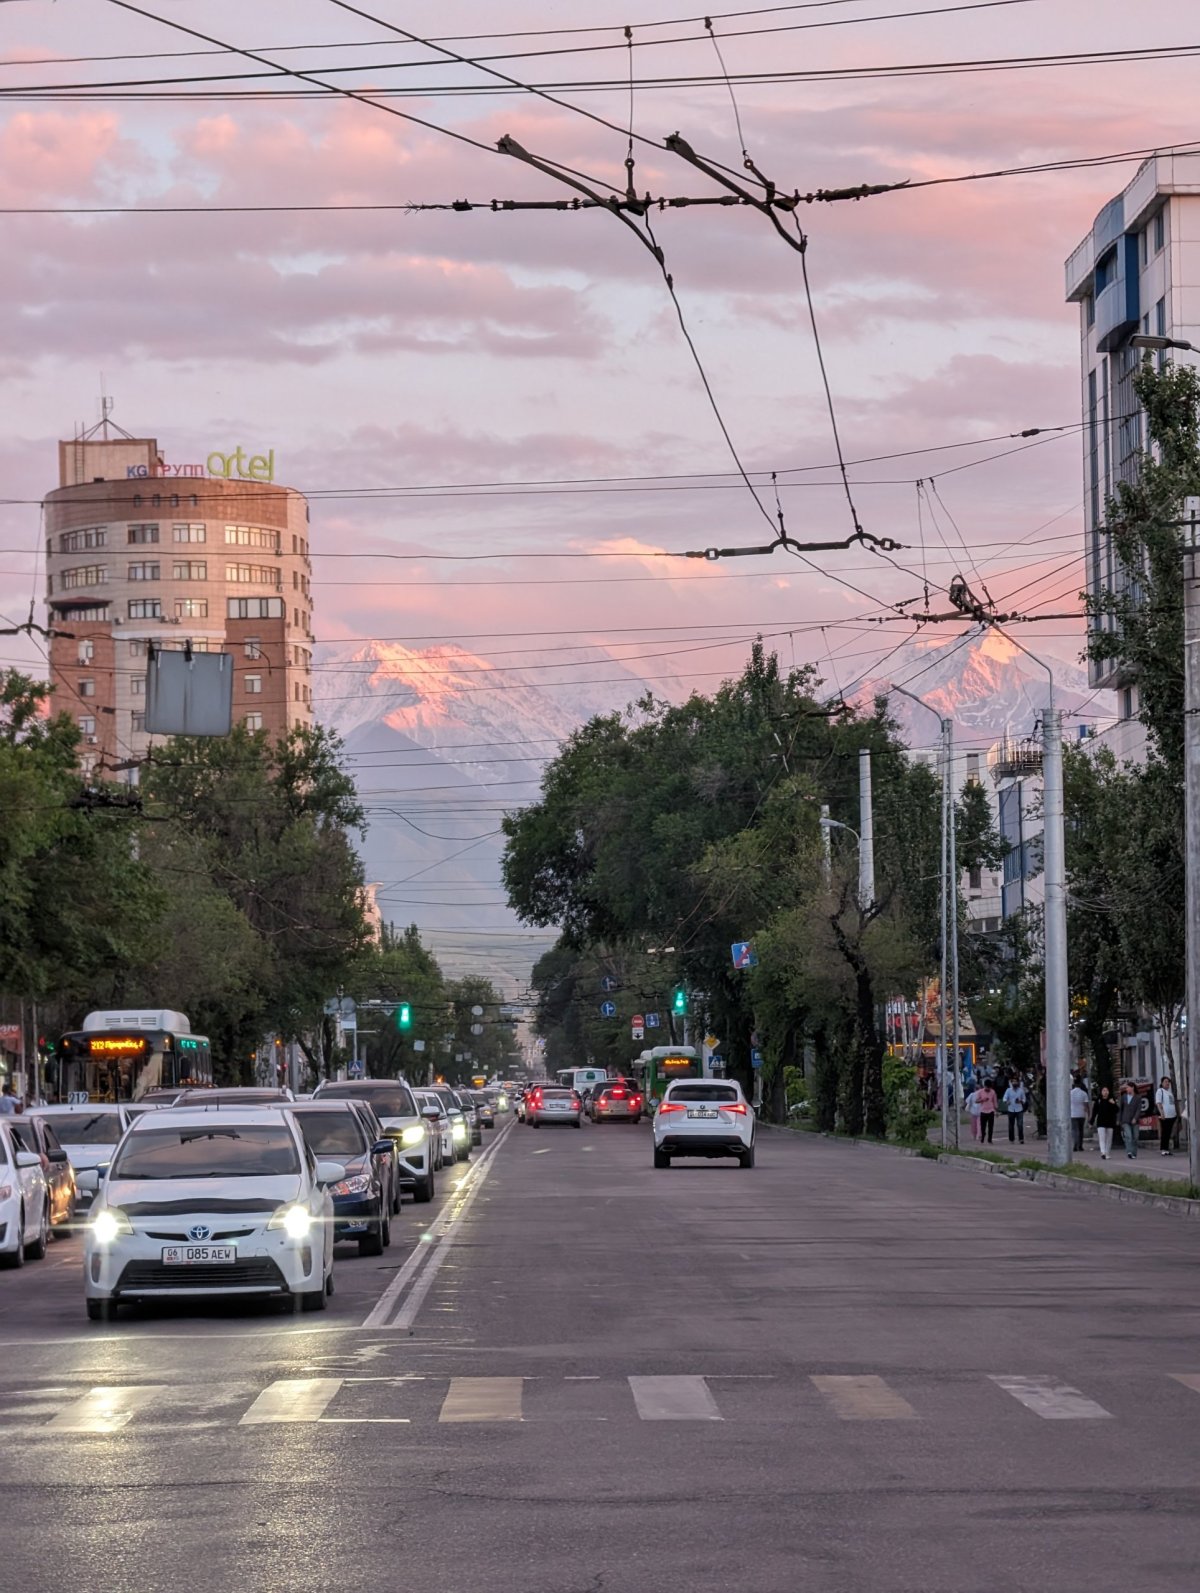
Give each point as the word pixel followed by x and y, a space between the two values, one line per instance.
pixel 553 1103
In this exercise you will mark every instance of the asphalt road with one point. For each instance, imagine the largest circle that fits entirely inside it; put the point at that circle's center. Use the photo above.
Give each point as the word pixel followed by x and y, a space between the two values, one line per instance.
pixel 839 1371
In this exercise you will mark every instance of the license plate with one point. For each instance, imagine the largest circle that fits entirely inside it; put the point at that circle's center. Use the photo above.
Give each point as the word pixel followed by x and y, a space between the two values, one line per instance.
pixel 701 1112
pixel 196 1255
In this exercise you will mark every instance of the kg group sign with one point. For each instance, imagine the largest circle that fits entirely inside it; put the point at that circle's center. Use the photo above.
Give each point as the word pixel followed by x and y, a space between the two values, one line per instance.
pixel 236 466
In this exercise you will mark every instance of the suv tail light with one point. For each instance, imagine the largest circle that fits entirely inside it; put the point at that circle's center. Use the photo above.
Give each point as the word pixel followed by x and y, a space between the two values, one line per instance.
pixel 739 1107
pixel 670 1106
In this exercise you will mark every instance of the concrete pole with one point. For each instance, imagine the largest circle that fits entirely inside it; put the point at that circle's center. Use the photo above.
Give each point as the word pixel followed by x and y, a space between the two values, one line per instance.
pixel 1191 797
pixel 866 828
pixel 951 889
pixel 1058 1017
pixel 943 1072
pixel 826 844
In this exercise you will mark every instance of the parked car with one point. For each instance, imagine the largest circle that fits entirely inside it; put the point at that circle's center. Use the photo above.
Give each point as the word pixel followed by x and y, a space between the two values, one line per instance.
pixel 89 1135
pixel 335 1132
pixel 203 1201
pixel 34 1133
pixel 553 1103
pixel 24 1202
pixel 396 1109
pixel 618 1100
pixel 704 1117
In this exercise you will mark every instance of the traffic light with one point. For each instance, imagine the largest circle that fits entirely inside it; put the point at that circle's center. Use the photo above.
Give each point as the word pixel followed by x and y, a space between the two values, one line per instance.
pixel 679 1001
pixel 404 1015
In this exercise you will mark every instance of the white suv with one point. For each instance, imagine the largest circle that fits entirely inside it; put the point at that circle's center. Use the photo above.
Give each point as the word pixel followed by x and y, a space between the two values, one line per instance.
pixel 410 1133
pixel 704 1117
pixel 211 1200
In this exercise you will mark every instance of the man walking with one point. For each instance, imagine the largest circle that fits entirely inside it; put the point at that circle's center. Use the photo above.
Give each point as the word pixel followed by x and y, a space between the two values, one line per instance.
pixel 1080 1106
pixel 1131 1108
pixel 1016 1099
pixel 985 1099
pixel 1166 1103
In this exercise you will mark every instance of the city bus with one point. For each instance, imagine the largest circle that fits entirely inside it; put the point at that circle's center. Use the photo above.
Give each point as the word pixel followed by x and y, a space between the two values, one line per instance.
pixel 119 1056
pixel 657 1067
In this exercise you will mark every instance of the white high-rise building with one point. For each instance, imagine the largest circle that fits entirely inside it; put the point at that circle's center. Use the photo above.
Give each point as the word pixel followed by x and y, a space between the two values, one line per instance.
pixel 1138 270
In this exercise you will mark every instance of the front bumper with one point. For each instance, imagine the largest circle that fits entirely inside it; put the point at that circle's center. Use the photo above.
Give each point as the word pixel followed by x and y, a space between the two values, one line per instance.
pixel 268 1263
pixel 412 1161
pixel 354 1215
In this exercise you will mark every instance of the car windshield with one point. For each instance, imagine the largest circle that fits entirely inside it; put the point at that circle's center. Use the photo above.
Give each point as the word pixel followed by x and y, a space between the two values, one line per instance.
pixel 88 1128
pixel 332 1133
pixel 389 1100
pixel 209 1150
pixel 704 1092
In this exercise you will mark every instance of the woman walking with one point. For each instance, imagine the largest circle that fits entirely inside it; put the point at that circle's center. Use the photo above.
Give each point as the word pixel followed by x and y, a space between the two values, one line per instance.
pixel 1166 1104
pixel 985 1099
pixel 1130 1109
pixel 1104 1120
pixel 972 1105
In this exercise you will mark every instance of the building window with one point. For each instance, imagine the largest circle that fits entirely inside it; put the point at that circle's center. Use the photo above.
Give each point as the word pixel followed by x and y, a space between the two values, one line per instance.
pixel 94 611
pixel 248 536
pixel 1160 229
pixel 156 501
pixel 87 724
pixel 975 879
pixel 87 688
pixel 137 686
pixel 254 607
pixel 144 572
pixel 295 580
pixel 253 574
pixel 296 691
pixel 253 684
pixel 190 533
pixel 190 570
pixel 77 541
pixel 296 618
pixel 191 608
pixel 973 767
pixel 251 647
pixel 84 575
pixel 1127 702
pixel 1144 245
pixel 87 650
pixel 143 533
pixel 253 721
pixel 137 721
pixel 145 608
pixel 137 649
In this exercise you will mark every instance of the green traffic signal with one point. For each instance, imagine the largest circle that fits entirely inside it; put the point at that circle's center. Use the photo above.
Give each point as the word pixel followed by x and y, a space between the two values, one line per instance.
pixel 679 1004
pixel 404 1015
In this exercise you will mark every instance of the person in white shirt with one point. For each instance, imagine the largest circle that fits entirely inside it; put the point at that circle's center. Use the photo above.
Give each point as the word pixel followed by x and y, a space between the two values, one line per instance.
pixel 1166 1104
pixel 1014 1102
pixel 10 1102
pixel 973 1110
pixel 1080 1106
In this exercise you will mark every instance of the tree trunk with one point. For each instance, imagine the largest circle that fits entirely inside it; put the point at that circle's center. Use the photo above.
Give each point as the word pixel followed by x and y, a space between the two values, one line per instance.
pixel 871 1046
pixel 824 1083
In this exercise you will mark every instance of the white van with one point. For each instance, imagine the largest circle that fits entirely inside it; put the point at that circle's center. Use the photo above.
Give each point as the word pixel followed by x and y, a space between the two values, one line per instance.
pixel 580 1079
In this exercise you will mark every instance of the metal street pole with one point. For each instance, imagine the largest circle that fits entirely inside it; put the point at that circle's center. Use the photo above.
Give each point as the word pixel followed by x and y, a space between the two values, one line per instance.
pixel 866 827
pixel 1058 1016
pixel 826 844
pixel 1191 797
pixel 950 886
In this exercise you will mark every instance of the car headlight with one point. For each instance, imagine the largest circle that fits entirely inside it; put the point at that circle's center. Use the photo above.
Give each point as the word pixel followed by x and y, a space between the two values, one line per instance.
pixel 460 1128
pixel 357 1185
pixel 107 1224
pixel 294 1220
pixel 413 1135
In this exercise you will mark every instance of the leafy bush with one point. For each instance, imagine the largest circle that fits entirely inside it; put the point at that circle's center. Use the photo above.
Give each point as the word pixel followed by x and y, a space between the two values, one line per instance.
pixel 908 1118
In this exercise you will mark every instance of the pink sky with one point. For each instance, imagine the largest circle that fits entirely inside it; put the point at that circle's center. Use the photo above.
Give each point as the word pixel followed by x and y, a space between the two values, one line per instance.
pixel 393 349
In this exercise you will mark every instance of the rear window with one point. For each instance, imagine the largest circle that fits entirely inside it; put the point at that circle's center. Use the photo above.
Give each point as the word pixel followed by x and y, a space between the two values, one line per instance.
pixel 388 1100
pixel 209 1150
pixel 557 1095
pixel 332 1133
pixel 88 1128
pixel 703 1092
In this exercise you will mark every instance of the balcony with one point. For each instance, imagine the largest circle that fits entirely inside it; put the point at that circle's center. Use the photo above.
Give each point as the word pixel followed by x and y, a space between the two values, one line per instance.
pixel 1013 759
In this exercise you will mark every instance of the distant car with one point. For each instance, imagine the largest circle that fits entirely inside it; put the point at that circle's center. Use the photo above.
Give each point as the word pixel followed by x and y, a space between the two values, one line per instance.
pixel 471 1112
pixel 704 1117
pixel 335 1132
pixel 36 1134
pixel 396 1109
pixel 553 1103
pixel 460 1120
pixel 519 1105
pixel 619 1100
pixel 24 1202
pixel 235 1095
pixel 203 1201
pixel 483 1105
pixel 435 1110
pixel 89 1135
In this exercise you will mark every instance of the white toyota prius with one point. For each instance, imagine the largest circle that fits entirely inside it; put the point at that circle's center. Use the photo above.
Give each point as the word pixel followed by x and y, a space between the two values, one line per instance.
pixel 211 1200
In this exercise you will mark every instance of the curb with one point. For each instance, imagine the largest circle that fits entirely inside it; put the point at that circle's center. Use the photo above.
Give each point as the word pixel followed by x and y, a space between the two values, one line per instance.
pixel 1179 1205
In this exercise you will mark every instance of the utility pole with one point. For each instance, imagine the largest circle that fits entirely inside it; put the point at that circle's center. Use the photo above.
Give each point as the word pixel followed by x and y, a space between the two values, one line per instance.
pixel 866 826
pixel 950 898
pixel 1191 798
pixel 1058 1016
pixel 826 844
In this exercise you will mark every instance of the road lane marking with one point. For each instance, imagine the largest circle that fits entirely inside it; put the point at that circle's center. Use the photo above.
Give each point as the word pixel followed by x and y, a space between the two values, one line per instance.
pixel 674 1399
pixel 105 1410
pixel 1188 1379
pixel 483 1399
pixel 545 1151
pixel 427 1258
pixel 292 1399
pixel 863 1399
pixel 1050 1399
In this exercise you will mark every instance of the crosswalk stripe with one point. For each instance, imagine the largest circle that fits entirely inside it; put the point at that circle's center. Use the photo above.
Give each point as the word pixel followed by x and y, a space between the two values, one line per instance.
pixel 105 1410
pixel 483 1399
pixel 674 1399
pixel 1050 1399
pixel 1188 1379
pixel 863 1399
pixel 292 1399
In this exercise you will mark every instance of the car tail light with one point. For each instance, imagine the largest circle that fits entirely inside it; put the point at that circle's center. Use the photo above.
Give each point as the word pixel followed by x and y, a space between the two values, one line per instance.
pixel 575 1101
pixel 635 1100
pixel 734 1106
pixel 536 1098
pixel 670 1106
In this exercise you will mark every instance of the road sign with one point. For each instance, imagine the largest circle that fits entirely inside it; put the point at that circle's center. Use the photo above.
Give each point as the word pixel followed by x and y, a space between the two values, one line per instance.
pixel 638 1032
pixel 609 984
pixel 756 1059
pixel 608 1009
pixel 356 1069
pixel 743 954
pixel 652 1020
pixel 418 1045
pixel 477 1028
pixel 638 1021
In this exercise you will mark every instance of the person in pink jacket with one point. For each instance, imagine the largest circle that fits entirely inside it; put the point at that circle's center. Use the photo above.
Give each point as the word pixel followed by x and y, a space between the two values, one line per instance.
pixel 985 1100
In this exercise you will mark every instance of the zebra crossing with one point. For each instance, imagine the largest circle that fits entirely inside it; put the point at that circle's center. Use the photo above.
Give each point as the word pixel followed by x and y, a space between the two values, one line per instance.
pixel 413 1400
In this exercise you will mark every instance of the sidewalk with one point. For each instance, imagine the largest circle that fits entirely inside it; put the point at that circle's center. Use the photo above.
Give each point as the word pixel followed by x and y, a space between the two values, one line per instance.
pixel 1148 1161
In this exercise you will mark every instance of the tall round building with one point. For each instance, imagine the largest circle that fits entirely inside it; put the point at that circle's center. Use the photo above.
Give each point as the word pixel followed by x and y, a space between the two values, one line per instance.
pixel 142 551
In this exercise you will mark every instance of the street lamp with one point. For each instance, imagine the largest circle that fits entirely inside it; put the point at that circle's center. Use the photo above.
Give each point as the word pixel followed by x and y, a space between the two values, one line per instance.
pixel 1151 340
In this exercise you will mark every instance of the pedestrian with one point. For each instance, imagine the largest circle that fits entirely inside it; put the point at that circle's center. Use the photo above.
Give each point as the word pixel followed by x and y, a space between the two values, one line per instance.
pixel 1129 1109
pixel 1080 1106
pixel 1016 1099
pixel 1104 1120
pixel 1166 1104
pixel 986 1099
pixel 10 1102
pixel 972 1105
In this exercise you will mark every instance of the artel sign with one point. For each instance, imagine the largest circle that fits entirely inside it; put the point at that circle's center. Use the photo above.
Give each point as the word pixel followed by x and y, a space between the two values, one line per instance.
pixel 236 465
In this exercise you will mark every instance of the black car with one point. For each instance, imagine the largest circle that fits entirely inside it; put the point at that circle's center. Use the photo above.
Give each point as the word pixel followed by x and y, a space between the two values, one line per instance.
pixel 35 1134
pixel 361 1200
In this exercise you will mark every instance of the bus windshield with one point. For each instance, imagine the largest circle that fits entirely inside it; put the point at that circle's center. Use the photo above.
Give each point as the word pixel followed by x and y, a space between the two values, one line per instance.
pixel 87 1128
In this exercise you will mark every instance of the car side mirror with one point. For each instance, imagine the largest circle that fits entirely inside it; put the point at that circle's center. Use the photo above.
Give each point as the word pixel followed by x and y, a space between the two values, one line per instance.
pixel 59 1155
pixel 28 1159
pixel 330 1172
pixel 383 1147
pixel 431 1112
